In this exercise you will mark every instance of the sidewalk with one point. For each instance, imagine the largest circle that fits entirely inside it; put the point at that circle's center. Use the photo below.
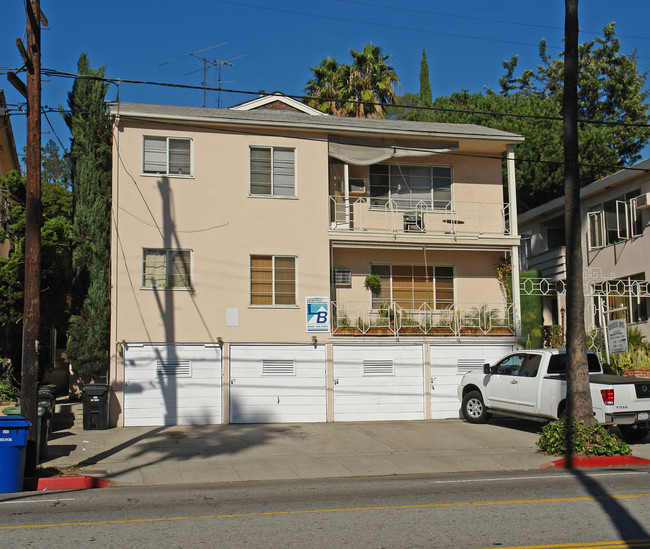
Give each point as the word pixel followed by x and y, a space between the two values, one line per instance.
pixel 231 453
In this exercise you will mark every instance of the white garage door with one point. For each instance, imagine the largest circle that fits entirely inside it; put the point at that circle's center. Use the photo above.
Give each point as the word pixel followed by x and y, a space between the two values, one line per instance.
pixel 172 384
pixel 378 382
pixel 448 365
pixel 277 383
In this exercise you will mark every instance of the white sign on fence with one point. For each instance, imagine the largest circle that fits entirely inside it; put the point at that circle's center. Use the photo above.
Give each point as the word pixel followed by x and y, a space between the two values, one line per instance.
pixel 617 332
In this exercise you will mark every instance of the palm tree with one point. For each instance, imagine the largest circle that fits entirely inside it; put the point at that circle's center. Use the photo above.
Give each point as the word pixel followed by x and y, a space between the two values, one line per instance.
pixel 324 87
pixel 357 90
pixel 370 81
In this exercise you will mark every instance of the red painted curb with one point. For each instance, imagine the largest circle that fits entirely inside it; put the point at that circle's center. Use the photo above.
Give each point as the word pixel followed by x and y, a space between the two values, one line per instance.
pixel 595 461
pixel 64 483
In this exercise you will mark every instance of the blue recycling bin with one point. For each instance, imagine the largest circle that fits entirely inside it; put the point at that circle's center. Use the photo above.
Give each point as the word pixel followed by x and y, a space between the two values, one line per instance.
pixel 13 440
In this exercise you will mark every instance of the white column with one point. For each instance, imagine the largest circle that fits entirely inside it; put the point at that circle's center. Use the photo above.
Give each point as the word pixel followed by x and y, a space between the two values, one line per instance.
pixel 346 190
pixel 514 231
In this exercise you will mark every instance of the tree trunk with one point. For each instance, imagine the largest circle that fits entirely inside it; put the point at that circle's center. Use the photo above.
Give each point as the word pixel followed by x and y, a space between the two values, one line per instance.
pixel 579 407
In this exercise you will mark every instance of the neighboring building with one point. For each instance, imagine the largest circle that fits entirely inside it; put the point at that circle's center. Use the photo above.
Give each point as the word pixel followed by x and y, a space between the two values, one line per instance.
pixel 8 157
pixel 615 213
pixel 236 231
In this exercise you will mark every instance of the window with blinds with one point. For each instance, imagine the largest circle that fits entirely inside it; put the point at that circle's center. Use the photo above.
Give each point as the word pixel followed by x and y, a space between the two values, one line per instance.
pixel 167 155
pixel 163 268
pixel 411 286
pixel 273 280
pixel 272 171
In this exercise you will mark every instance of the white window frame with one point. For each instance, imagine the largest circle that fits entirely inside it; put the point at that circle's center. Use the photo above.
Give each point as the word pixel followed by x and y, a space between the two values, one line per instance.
pixel 272 191
pixel 167 159
pixel 169 252
pixel 596 241
pixel 273 280
pixel 430 202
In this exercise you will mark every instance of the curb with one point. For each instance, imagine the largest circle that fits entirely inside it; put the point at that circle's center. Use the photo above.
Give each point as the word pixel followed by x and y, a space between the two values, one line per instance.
pixel 64 483
pixel 594 461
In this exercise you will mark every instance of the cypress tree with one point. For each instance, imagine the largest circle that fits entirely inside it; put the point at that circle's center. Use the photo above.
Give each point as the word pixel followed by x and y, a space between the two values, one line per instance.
pixel 426 98
pixel 90 161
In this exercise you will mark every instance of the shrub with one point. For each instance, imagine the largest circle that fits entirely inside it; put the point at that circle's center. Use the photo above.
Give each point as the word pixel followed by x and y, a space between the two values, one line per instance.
pixel 8 390
pixel 563 438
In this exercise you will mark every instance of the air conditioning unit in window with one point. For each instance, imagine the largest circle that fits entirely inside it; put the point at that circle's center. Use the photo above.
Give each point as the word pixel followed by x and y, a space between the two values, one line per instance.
pixel 643 201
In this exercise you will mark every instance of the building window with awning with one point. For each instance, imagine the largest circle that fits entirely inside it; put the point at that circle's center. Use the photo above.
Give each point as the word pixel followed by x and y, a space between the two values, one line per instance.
pixel 411 187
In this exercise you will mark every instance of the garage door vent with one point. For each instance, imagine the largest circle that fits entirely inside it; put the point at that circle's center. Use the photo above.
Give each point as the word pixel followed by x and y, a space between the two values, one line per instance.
pixel 467 364
pixel 378 368
pixel 278 367
pixel 174 368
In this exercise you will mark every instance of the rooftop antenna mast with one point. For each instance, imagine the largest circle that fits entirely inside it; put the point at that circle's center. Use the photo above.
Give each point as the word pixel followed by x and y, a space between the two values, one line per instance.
pixel 205 63
pixel 215 63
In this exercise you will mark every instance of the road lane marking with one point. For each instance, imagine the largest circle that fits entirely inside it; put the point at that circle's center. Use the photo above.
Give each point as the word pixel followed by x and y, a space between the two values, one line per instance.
pixel 540 477
pixel 615 544
pixel 35 501
pixel 337 510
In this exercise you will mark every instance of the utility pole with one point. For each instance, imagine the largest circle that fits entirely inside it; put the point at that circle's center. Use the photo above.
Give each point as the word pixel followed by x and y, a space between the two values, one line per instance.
pixel 31 312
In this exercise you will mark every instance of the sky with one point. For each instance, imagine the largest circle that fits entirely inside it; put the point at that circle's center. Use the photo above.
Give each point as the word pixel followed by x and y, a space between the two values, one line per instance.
pixel 270 45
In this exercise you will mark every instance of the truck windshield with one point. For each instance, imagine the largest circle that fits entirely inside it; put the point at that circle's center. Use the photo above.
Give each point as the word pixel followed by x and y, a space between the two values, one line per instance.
pixel 557 364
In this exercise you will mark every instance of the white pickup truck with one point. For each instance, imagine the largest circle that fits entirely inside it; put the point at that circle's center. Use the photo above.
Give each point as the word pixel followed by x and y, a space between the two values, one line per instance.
pixel 532 384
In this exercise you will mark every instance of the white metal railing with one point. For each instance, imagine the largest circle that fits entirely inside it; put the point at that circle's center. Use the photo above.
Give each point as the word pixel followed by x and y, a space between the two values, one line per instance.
pixel 404 216
pixel 393 318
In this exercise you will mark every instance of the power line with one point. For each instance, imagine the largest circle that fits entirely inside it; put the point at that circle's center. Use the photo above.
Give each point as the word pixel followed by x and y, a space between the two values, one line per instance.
pixel 52 72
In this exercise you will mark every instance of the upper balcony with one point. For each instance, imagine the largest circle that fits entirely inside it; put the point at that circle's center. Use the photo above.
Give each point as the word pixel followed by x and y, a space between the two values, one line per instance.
pixel 390 216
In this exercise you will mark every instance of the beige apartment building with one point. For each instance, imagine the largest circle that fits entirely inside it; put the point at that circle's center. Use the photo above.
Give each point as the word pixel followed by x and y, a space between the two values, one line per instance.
pixel 8 158
pixel 271 263
pixel 614 219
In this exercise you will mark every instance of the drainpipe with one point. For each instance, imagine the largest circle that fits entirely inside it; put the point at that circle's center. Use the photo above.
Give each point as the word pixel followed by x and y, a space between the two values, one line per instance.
pixel 346 190
pixel 514 231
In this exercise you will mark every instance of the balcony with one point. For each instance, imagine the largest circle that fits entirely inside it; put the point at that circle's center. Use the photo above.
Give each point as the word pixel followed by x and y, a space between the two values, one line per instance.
pixel 392 319
pixel 376 215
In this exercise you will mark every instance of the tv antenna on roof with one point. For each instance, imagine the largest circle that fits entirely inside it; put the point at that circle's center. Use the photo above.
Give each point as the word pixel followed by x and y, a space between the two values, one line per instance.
pixel 207 62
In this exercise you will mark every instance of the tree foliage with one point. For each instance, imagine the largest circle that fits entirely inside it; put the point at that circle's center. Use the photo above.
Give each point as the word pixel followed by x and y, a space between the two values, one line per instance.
pixel 426 98
pixel 610 91
pixel 90 160
pixel 360 89
pixel 56 207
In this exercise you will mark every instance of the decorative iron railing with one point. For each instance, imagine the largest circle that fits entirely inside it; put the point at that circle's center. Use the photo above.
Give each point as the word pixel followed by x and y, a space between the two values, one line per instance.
pixel 393 318
pixel 400 216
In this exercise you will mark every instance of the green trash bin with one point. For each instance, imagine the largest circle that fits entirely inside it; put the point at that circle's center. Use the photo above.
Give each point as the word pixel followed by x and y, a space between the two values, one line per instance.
pixel 42 426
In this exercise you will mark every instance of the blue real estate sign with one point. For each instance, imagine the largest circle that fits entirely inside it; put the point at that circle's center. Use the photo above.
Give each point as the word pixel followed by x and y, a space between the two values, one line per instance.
pixel 318 314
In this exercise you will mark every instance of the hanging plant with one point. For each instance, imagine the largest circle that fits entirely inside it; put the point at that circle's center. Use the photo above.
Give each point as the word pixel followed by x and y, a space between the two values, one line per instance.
pixel 373 283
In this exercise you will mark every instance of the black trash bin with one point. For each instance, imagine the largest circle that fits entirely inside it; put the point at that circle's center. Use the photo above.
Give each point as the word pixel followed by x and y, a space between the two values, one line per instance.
pixel 47 400
pixel 95 406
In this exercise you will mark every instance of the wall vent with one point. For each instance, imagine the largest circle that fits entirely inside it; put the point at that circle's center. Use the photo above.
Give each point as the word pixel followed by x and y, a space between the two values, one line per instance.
pixel 174 368
pixel 378 368
pixel 278 367
pixel 468 364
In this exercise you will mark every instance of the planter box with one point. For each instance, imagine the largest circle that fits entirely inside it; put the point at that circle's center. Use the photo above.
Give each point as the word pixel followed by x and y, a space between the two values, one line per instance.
pixel 637 373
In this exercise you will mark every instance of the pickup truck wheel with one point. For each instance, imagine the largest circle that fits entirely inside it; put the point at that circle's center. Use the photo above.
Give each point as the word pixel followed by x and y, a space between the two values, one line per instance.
pixel 473 408
pixel 634 433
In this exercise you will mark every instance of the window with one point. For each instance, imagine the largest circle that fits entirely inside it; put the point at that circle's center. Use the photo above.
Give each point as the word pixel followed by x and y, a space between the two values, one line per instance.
pixel 614 221
pixel 164 268
pixel 273 171
pixel 411 286
pixel 273 280
pixel 167 155
pixel 625 301
pixel 410 187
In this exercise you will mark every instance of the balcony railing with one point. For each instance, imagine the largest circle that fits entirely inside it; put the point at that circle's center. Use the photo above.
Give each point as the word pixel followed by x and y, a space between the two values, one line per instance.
pixel 391 318
pixel 402 216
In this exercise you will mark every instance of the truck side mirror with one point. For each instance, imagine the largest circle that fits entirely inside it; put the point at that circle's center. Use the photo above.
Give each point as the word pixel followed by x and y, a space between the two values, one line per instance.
pixel 487 369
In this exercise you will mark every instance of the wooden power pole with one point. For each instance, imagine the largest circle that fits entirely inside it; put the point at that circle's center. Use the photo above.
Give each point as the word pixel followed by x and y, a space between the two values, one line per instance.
pixel 31 312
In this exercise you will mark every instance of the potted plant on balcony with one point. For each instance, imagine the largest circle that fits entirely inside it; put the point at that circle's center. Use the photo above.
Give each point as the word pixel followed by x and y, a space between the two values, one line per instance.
pixel 373 283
